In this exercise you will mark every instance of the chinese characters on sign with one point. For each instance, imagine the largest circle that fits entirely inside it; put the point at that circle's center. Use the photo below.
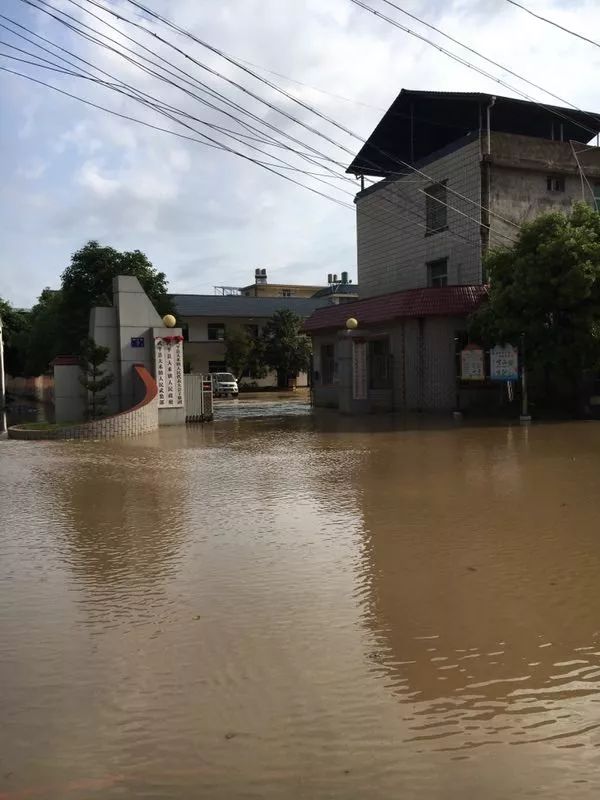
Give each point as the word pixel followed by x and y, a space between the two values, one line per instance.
pixel 137 341
pixel 472 363
pixel 504 363
pixel 169 373
pixel 359 370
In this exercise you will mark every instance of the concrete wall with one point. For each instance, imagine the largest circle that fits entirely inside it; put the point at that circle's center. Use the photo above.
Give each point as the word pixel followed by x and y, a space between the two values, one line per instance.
pixel 104 331
pixel 142 418
pixel 279 290
pixel 519 167
pixel 136 317
pixel 393 248
pixel 70 401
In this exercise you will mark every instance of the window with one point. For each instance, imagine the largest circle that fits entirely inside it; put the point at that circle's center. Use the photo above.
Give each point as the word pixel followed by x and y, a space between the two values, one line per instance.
pixel 436 210
pixel 379 364
pixel 327 363
pixel 597 195
pixel 216 331
pixel 555 184
pixel 185 331
pixel 437 273
pixel 286 292
pixel 217 366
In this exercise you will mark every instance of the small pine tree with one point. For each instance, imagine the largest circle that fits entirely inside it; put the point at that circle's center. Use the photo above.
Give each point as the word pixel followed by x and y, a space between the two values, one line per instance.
pixel 93 377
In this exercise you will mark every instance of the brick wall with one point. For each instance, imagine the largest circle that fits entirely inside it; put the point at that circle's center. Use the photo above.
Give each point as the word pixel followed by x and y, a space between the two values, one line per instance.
pixel 142 418
pixel 393 248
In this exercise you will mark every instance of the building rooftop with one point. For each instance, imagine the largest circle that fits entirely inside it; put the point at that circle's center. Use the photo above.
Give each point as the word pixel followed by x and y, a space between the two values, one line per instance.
pixel 446 301
pixel 209 305
pixel 420 123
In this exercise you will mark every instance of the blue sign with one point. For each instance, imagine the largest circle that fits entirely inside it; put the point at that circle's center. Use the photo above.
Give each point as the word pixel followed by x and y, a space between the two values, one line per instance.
pixel 137 341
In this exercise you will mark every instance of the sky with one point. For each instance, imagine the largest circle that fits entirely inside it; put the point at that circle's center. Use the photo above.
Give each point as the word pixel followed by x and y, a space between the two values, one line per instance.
pixel 205 216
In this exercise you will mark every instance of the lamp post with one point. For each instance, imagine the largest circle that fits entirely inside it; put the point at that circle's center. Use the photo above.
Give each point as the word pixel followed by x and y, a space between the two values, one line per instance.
pixel 525 417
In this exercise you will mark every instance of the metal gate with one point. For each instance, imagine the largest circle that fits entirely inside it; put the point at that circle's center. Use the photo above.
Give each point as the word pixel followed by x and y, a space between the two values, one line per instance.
pixel 198 398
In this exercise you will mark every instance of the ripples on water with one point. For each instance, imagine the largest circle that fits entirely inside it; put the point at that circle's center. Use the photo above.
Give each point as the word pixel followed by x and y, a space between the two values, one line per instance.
pixel 284 605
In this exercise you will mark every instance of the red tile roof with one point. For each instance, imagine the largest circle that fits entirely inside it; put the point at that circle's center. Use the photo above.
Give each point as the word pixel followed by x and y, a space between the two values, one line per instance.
pixel 446 301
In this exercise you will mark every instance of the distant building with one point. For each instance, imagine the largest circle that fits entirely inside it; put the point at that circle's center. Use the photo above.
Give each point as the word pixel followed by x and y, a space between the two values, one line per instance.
pixel 262 288
pixel 340 288
pixel 460 172
pixel 206 319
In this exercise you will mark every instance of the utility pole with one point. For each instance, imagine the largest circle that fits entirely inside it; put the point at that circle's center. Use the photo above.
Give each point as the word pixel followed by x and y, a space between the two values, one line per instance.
pixel 2 378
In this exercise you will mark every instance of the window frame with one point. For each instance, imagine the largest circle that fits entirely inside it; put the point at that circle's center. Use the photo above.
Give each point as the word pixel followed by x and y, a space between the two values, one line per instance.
pixel 433 283
pixel 379 364
pixel 212 327
pixel 436 206
pixel 555 184
pixel 327 364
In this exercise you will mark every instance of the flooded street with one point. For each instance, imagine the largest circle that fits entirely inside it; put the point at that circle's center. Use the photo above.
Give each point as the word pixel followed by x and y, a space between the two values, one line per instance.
pixel 289 605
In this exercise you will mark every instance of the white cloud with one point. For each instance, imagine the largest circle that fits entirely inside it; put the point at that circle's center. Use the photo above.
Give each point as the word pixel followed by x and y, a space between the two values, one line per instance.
pixel 205 216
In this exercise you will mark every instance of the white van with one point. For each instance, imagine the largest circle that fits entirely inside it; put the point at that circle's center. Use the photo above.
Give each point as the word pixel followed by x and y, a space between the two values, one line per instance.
pixel 224 384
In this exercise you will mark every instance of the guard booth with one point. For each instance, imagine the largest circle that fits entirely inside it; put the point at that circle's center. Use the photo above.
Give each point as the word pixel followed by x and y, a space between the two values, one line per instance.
pixel 198 398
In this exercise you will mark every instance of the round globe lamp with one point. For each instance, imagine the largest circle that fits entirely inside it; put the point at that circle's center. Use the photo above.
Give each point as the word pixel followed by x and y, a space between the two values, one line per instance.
pixel 169 321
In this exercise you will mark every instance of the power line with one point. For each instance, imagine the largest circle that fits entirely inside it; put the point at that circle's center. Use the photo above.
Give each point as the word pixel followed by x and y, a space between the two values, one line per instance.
pixel 464 62
pixel 308 86
pixel 484 57
pixel 478 222
pixel 278 89
pixel 204 86
pixel 555 24
pixel 204 136
pixel 151 102
pixel 45 3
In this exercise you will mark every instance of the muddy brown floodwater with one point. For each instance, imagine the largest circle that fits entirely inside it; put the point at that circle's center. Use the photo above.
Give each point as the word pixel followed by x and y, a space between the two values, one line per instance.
pixel 284 605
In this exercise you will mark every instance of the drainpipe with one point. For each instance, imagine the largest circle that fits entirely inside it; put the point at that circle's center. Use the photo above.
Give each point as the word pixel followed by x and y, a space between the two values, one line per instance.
pixel 489 140
pixel 486 188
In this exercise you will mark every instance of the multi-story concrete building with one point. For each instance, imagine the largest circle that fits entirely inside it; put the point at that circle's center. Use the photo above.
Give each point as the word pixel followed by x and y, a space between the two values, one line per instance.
pixel 459 174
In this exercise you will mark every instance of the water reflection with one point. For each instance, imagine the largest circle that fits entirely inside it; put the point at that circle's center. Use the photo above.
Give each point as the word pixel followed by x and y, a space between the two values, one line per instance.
pixel 125 520
pixel 480 566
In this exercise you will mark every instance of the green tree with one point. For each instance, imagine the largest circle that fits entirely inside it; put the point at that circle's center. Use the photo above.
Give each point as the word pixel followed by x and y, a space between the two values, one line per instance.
pixel 15 331
pixel 93 376
pixel 547 287
pixel 44 330
pixel 87 282
pixel 286 349
pixel 244 352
